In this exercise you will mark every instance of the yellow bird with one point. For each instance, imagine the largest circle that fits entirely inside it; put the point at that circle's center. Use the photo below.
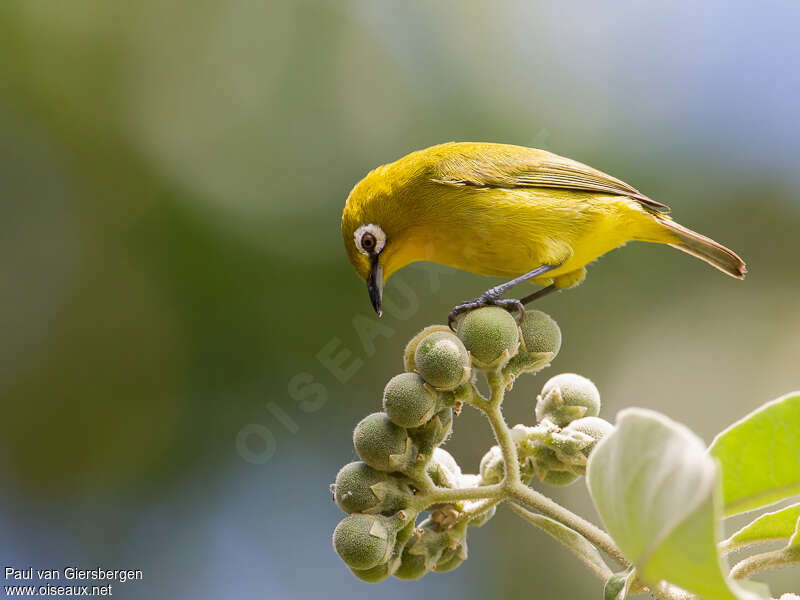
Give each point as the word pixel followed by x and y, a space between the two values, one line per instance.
pixel 506 211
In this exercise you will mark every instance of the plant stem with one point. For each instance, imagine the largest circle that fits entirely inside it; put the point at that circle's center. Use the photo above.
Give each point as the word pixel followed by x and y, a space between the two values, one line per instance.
pixel 526 495
pixel 539 502
pixel 726 547
pixel 497 383
pixel 507 445
pixel 438 495
pixel 667 591
pixel 662 591
pixel 593 563
pixel 422 480
pixel 765 561
pixel 478 509
pixel 513 487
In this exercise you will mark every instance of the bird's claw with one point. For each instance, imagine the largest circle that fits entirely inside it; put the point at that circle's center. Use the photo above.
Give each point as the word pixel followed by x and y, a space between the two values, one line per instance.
pixel 510 304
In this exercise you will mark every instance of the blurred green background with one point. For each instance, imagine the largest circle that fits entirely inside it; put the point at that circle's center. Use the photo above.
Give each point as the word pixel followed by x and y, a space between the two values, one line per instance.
pixel 172 179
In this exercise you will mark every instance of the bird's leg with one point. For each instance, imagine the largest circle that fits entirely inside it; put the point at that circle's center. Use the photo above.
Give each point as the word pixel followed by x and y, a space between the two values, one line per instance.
pixel 538 294
pixel 492 296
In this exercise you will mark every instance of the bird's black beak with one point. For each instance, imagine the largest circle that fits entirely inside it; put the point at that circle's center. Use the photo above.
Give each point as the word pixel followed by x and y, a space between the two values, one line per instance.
pixel 375 283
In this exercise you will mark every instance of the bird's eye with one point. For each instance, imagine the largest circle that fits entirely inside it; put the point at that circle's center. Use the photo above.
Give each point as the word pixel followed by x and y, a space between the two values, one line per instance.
pixel 369 239
pixel 368 242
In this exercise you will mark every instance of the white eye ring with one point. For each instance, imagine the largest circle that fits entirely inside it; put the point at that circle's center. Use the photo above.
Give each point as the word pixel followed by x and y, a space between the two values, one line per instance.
pixel 377 233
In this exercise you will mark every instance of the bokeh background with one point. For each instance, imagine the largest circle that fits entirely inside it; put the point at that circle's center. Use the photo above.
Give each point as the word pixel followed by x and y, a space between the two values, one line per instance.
pixel 172 277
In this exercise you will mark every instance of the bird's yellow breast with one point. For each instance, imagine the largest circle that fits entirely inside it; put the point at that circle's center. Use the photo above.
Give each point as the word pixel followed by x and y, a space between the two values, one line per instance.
pixel 508 232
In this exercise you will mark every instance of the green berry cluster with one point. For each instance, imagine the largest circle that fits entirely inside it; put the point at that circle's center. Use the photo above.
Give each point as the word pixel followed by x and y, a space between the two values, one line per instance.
pixel 557 448
pixel 399 451
pixel 403 470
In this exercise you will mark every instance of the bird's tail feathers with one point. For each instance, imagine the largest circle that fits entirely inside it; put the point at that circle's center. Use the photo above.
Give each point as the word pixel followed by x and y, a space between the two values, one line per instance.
pixel 706 249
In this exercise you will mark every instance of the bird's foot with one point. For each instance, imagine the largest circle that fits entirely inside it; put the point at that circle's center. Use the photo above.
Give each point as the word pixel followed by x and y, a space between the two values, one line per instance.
pixel 510 304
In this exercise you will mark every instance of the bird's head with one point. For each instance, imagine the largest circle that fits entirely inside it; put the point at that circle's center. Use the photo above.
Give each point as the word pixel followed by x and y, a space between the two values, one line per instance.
pixel 379 230
pixel 364 247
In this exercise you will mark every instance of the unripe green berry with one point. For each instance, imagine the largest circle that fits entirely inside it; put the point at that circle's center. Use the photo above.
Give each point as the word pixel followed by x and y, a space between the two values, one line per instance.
pixel 492 468
pixel 567 397
pixel 411 347
pixel 353 488
pixel 544 458
pixel 540 341
pixel 483 518
pixel 363 541
pixel 374 575
pixel 377 441
pixel 421 552
pixel 594 427
pixel 444 469
pixel 452 558
pixel 540 461
pixel 443 458
pixel 359 489
pixel 442 360
pixel 412 566
pixel 384 570
pixel 446 425
pixel 540 333
pixel 408 402
pixel 427 543
pixel 559 478
pixel 434 432
pixel 491 335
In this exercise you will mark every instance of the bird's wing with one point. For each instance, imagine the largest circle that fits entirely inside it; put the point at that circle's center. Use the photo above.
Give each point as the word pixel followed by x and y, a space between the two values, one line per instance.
pixel 511 167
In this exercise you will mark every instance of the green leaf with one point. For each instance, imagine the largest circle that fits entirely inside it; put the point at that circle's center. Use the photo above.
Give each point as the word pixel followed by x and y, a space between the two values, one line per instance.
pixel 776 525
pixel 618 585
pixel 654 485
pixel 574 541
pixel 760 456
